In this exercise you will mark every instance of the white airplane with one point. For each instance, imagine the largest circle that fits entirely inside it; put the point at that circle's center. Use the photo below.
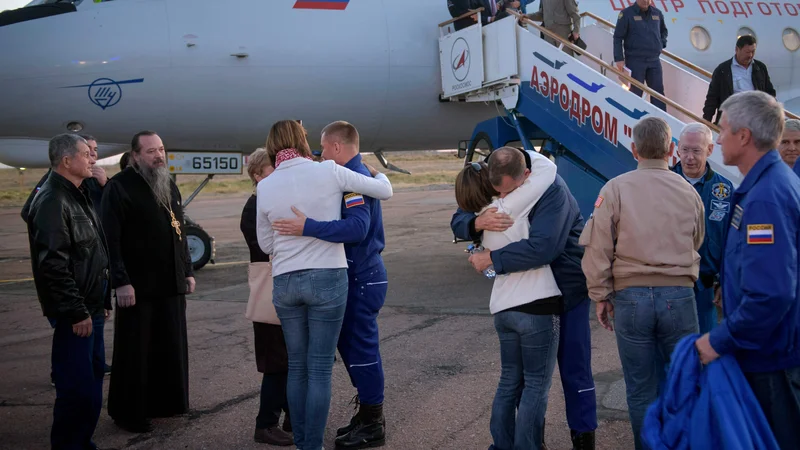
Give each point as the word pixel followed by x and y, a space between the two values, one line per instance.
pixel 212 76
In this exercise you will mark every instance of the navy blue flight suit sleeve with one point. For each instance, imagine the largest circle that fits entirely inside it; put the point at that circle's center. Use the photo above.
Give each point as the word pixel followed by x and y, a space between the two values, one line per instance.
pixel 549 231
pixel 463 225
pixel 620 34
pixel 351 229
pixel 768 278
pixel 664 31
pixel 797 167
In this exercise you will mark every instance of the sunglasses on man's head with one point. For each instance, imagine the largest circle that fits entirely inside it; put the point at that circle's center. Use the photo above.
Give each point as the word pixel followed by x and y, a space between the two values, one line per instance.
pixel 476 166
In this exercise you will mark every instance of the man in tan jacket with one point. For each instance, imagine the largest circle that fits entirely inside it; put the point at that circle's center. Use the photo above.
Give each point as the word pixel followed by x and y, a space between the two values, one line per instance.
pixel 641 261
pixel 561 17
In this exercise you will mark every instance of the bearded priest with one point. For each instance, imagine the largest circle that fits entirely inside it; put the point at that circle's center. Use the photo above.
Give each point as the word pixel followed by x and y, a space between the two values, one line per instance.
pixel 152 273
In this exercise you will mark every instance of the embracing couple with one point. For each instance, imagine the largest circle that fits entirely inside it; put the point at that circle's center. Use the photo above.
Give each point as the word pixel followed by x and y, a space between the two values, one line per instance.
pixel 529 223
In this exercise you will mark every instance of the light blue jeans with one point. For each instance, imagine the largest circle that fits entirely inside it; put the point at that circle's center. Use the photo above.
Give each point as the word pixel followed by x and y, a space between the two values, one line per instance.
pixel 310 305
pixel 528 351
pixel 649 322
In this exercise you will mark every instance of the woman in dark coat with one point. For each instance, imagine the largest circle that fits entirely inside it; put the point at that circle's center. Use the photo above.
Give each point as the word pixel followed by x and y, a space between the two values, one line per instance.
pixel 271 357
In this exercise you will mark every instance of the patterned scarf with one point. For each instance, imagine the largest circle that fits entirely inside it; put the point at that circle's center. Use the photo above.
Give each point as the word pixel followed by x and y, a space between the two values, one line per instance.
pixel 287 154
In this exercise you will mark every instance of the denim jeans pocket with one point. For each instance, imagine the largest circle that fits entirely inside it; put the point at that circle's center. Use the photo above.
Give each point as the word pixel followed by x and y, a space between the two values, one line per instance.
pixel 683 311
pixel 625 310
pixel 280 286
pixel 328 284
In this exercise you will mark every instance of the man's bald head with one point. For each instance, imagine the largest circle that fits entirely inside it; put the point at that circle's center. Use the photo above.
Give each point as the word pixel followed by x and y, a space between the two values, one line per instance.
pixel 507 169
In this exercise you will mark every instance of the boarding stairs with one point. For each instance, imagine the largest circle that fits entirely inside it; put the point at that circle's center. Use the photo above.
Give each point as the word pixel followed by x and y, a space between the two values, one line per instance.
pixel 578 110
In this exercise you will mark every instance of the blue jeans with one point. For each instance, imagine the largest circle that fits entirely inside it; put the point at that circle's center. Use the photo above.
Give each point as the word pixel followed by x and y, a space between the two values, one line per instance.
pixel 528 349
pixel 78 364
pixel 310 305
pixel 649 322
pixel 778 393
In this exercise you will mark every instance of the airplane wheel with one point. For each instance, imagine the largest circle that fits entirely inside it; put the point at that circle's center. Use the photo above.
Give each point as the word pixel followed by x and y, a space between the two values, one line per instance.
pixel 199 245
pixel 480 146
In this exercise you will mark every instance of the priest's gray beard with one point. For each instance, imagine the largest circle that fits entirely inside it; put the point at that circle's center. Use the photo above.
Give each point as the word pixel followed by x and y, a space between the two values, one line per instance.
pixel 159 182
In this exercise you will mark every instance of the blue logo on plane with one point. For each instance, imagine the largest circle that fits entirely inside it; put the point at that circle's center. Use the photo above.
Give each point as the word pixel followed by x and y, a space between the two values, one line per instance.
pixel 105 92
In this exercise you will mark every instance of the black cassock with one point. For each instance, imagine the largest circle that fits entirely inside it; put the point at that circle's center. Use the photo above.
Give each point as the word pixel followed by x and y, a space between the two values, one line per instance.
pixel 150 376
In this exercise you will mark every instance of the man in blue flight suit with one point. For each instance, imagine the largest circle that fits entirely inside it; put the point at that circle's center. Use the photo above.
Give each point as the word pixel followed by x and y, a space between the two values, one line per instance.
pixel 642 32
pixel 760 289
pixel 361 230
pixel 556 224
pixel 694 148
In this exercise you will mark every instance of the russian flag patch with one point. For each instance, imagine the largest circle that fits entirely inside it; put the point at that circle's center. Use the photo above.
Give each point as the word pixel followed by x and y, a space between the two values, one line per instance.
pixel 353 199
pixel 760 234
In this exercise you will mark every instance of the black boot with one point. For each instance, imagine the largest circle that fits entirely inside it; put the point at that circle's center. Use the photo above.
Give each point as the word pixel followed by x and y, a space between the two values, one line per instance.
pixel 370 431
pixel 582 441
pixel 354 421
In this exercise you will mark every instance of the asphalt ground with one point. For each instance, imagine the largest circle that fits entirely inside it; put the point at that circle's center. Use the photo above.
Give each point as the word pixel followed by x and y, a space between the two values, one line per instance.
pixel 439 347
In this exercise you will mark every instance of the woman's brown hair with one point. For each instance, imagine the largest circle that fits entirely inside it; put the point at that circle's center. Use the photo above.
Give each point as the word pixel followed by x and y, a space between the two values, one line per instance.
pixel 473 189
pixel 287 134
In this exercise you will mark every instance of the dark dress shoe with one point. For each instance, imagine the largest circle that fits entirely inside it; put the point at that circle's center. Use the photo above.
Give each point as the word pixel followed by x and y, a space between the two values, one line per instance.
pixel 134 426
pixel 273 436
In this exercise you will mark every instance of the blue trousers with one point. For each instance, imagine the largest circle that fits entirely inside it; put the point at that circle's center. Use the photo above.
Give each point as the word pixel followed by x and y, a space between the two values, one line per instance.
pixel 648 72
pixel 359 343
pixel 706 311
pixel 528 348
pixel 649 322
pixel 778 393
pixel 310 304
pixel 78 364
pixel 575 368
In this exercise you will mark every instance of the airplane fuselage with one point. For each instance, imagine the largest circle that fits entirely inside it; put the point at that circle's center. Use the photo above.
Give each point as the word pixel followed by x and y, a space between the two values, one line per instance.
pixel 215 75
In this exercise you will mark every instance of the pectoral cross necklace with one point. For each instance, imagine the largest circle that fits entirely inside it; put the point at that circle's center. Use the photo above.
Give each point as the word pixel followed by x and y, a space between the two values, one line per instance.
pixel 173 220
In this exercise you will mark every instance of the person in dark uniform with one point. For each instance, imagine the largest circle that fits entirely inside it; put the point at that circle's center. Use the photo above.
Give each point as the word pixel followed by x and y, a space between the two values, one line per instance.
pixel 695 146
pixel 361 230
pixel 639 38
pixel 461 7
pixel 272 359
pixel 760 289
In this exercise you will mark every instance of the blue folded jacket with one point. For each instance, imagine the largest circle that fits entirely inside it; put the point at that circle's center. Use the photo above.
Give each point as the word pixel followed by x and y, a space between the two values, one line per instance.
pixel 705 408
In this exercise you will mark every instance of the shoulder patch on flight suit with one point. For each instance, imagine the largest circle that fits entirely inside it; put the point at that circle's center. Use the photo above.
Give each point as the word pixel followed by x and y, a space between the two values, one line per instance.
pixel 637 17
pixel 760 234
pixel 353 199
pixel 736 220
pixel 598 202
pixel 721 191
pixel 620 16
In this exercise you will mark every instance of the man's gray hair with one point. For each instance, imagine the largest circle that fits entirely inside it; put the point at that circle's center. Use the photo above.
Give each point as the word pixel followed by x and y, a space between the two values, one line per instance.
pixel 758 112
pixel 63 145
pixel 791 125
pixel 652 136
pixel 698 128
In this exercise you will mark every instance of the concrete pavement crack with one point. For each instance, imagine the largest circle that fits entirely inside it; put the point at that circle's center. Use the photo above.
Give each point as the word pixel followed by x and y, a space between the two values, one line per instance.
pixel 425 324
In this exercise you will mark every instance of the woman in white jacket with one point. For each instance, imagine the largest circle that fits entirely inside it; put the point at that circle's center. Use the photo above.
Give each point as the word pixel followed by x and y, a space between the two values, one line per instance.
pixel 309 275
pixel 525 305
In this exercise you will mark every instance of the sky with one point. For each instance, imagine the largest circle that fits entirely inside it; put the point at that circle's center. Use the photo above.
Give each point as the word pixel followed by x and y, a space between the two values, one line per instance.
pixel 12 4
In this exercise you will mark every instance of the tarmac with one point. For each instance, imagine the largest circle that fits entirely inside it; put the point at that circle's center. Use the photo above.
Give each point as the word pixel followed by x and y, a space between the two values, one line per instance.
pixel 439 347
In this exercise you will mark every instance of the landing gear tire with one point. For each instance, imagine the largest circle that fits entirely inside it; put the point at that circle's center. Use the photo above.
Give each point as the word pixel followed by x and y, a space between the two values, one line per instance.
pixel 482 151
pixel 200 246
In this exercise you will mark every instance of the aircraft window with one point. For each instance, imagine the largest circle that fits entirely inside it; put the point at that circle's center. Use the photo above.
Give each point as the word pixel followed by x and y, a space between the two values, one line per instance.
pixel 700 38
pixel 744 31
pixel 791 39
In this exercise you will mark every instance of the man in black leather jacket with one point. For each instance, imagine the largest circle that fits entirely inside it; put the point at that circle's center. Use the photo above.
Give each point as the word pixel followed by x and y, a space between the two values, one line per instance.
pixel 69 257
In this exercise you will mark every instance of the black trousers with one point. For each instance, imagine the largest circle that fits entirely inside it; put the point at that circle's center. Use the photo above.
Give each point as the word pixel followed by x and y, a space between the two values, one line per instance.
pixel 273 400
pixel 151 360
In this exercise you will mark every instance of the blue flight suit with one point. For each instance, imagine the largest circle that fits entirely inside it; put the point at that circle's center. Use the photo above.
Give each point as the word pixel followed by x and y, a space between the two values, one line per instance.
pixel 797 167
pixel 555 227
pixel 643 35
pixel 761 293
pixel 715 191
pixel 361 230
